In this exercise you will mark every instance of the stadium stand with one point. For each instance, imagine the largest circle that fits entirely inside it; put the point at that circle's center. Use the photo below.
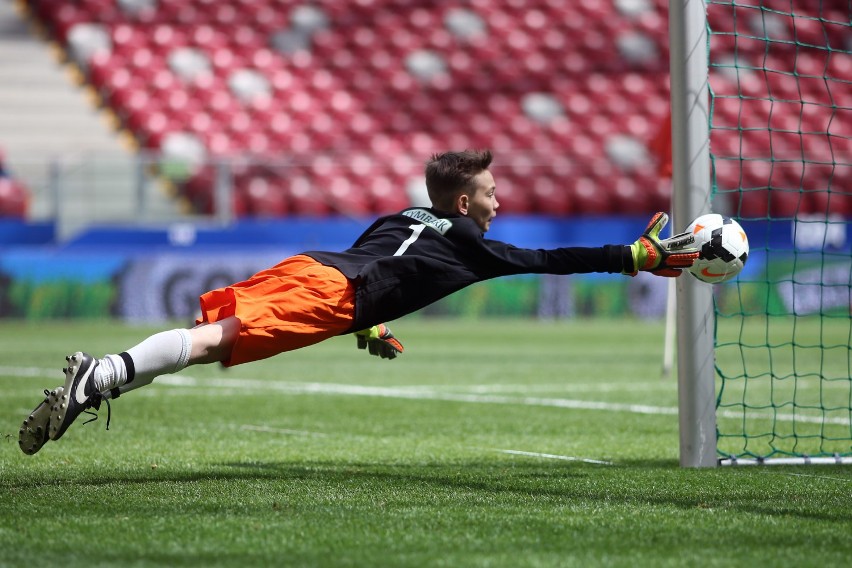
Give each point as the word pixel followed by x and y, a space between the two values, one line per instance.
pixel 334 105
pixel 48 113
pixel 47 118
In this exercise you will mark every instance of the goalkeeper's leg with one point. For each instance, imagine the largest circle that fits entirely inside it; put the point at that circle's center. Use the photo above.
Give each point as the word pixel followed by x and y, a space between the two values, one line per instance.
pixel 89 380
pixel 166 353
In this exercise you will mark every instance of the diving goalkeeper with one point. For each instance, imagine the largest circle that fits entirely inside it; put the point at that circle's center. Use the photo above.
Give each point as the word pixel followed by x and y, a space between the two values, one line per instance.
pixel 400 264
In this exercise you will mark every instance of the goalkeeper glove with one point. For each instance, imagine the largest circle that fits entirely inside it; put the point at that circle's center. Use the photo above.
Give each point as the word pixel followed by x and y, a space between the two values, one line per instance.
pixel 666 257
pixel 380 341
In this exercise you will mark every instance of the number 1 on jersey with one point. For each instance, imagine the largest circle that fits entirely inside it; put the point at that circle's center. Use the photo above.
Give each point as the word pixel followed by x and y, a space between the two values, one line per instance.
pixel 415 232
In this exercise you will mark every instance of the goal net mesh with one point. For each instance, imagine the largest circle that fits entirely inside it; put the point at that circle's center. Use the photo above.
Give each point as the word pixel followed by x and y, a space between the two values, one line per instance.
pixel 781 163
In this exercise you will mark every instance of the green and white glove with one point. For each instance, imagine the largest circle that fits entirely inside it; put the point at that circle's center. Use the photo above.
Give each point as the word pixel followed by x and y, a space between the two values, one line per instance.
pixel 667 257
pixel 380 341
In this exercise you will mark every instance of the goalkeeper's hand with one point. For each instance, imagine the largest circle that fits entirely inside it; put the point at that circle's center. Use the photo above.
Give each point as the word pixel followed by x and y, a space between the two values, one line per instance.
pixel 666 257
pixel 380 341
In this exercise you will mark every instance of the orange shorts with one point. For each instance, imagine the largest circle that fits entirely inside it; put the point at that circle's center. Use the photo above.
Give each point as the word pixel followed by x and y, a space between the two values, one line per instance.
pixel 296 303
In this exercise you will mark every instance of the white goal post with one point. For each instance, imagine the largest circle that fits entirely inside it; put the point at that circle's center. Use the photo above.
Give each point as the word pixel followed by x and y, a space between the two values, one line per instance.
pixel 690 102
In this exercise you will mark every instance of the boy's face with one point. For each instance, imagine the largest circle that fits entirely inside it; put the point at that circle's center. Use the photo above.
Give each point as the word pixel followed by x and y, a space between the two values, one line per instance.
pixel 482 205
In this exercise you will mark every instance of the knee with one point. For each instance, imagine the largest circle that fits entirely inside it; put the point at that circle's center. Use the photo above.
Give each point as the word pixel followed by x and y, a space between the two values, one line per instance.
pixel 213 342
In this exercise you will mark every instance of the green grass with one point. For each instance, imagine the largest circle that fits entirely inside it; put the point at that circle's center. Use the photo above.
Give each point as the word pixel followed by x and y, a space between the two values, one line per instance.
pixel 329 457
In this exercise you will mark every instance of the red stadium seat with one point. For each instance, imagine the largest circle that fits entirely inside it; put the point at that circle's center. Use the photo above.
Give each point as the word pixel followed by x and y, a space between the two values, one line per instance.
pixel 138 110
pixel 263 198
pixel 305 199
pixel 751 204
pixel 198 190
pixel 127 38
pixel 546 190
pixel 14 198
pixel 590 197
pixel 209 38
pixel 386 193
pixel 165 37
pixel 785 203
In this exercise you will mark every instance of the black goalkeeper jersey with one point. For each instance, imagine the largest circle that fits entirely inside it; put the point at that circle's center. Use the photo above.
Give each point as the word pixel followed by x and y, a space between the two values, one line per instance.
pixel 411 259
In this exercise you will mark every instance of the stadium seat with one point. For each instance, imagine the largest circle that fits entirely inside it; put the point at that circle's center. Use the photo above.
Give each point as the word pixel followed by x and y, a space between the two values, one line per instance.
pixel 751 204
pixel 784 203
pixel 554 193
pixel 387 194
pixel 305 198
pixel 591 197
pixel 198 190
pixel 14 199
pixel 262 198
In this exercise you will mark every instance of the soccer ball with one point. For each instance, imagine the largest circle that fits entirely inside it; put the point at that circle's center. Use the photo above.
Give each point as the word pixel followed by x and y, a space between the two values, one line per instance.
pixel 724 248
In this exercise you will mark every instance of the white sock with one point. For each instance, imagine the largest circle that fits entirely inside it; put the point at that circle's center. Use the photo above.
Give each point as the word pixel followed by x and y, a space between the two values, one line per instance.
pixel 161 354
pixel 110 373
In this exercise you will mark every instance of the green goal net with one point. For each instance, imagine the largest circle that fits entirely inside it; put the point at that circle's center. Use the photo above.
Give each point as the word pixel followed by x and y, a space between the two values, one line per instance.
pixel 781 164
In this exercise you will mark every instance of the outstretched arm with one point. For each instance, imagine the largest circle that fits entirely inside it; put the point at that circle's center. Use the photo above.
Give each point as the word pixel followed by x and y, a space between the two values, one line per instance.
pixel 649 253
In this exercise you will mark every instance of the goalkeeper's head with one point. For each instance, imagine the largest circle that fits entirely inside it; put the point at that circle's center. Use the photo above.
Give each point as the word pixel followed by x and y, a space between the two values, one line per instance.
pixel 459 182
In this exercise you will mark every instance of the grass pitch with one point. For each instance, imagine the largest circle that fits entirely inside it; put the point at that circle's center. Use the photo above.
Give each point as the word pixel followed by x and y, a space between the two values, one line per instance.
pixel 490 443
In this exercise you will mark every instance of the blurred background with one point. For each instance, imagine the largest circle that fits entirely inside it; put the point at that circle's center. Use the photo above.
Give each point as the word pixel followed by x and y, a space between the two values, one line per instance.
pixel 152 149
pixel 332 107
